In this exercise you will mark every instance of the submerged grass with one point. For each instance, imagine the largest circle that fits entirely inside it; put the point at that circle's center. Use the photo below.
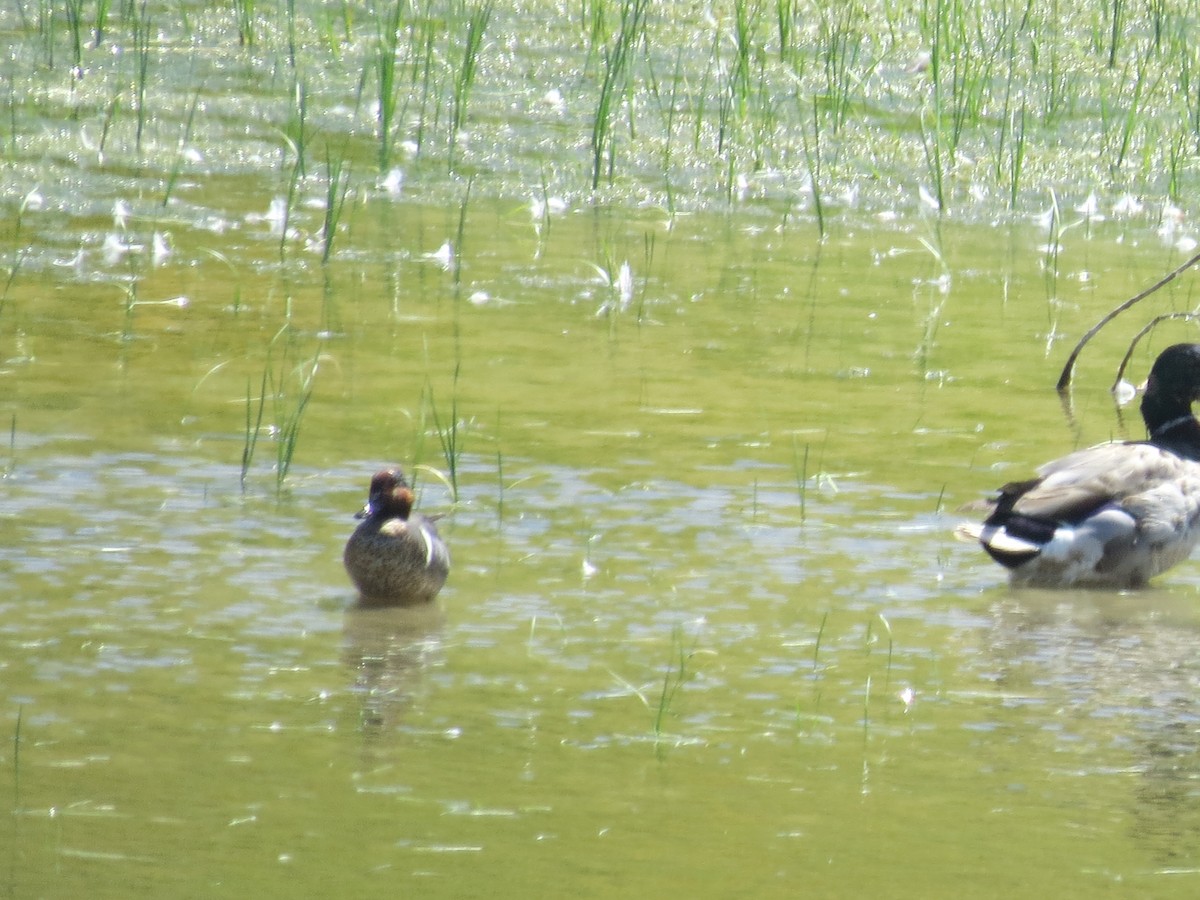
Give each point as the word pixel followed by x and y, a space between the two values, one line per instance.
pixel 285 388
pixel 676 673
pixel 464 71
pixel 13 269
pixel 800 470
pixel 290 413
pixel 11 465
pixel 1000 103
pixel 142 38
pixel 387 43
pixel 679 669
pixel 181 152
pixel 337 186
pixel 615 77
pixel 16 758
pixel 447 428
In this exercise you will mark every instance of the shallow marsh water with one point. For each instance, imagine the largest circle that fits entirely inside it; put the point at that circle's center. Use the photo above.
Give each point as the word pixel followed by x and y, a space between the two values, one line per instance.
pixel 706 631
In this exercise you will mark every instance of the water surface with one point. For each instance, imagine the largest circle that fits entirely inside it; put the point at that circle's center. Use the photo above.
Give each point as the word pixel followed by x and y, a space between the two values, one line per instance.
pixel 707 629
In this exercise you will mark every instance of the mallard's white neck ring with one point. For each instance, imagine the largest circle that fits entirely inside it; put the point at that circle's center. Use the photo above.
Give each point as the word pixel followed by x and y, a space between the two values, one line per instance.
pixel 1167 426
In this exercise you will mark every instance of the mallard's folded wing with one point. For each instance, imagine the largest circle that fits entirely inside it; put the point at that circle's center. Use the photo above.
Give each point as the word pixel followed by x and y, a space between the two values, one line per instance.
pixel 1074 487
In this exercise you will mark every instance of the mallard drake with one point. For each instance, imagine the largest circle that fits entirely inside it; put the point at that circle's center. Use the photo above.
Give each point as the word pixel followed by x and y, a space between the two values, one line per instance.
pixel 395 556
pixel 1114 515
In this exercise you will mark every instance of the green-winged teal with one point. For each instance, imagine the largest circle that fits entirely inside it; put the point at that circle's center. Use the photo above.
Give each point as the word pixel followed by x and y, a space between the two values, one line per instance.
pixel 395 556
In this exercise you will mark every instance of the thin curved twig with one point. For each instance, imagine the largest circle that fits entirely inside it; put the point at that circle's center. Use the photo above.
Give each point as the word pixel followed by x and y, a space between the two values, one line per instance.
pixel 1064 380
pixel 1190 316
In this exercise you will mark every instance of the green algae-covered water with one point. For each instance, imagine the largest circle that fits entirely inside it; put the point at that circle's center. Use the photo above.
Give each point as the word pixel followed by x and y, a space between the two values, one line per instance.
pixel 707 630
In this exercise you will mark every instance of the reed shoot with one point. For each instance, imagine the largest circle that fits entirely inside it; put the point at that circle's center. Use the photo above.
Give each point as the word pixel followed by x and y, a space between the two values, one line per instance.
pixel 676 673
pixel 337 185
pixel 618 59
pixel 387 41
pixel 464 74
pixel 448 431
pixel 142 28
